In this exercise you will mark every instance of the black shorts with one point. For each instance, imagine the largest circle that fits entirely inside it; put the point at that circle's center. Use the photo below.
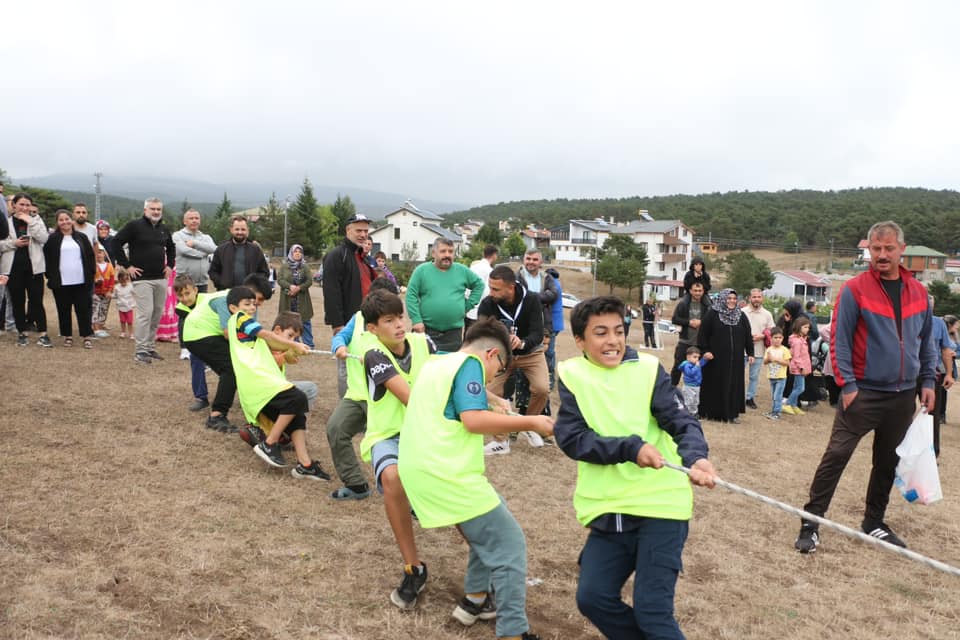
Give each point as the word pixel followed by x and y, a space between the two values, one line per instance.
pixel 290 401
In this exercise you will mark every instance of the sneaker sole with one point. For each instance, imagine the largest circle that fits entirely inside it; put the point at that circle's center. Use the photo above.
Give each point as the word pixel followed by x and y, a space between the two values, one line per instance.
pixel 306 476
pixel 353 495
pixel 270 461
pixel 467 619
pixel 534 439
pixel 399 602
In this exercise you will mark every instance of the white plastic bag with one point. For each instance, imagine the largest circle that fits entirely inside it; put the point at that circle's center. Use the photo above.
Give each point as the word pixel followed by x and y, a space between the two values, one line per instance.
pixel 917 476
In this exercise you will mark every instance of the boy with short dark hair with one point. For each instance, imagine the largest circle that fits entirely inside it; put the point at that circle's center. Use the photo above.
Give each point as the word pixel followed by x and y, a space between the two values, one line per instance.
pixel 441 465
pixel 188 295
pixel 777 357
pixel 392 365
pixel 621 418
pixel 263 389
pixel 691 368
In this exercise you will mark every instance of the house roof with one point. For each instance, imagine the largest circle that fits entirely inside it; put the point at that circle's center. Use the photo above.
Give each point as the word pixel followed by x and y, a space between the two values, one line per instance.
pixel 806 278
pixel 920 250
pixel 537 233
pixel 863 244
pixel 953 263
pixel 653 226
pixel 440 231
pixel 596 225
pixel 412 208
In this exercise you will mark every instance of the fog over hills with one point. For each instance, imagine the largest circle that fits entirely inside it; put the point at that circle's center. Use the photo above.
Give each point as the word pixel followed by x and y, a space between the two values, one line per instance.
pixel 243 195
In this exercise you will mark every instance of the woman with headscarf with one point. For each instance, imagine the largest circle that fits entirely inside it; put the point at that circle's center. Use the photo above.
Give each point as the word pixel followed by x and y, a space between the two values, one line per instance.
pixel 724 340
pixel 697 273
pixel 294 280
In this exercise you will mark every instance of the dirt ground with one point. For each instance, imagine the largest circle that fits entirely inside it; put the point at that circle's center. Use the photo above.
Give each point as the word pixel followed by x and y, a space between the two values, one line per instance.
pixel 121 516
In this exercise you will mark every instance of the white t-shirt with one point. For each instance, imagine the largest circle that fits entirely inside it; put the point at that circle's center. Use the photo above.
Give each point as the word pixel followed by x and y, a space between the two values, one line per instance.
pixel 482 268
pixel 71 262
pixel 90 231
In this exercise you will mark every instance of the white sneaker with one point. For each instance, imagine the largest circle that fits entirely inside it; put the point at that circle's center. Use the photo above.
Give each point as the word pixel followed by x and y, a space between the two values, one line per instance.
pixel 184 354
pixel 497 448
pixel 534 439
pixel 102 333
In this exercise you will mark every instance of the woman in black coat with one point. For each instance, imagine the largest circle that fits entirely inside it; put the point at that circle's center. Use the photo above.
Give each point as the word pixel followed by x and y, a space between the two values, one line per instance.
pixel 697 273
pixel 724 340
pixel 71 268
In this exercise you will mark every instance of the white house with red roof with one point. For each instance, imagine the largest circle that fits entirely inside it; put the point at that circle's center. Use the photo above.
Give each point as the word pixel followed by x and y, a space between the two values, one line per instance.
pixel 799 284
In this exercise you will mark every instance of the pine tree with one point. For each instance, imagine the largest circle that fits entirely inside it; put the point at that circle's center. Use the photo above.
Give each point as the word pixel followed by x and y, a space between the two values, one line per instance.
pixel 219 227
pixel 343 209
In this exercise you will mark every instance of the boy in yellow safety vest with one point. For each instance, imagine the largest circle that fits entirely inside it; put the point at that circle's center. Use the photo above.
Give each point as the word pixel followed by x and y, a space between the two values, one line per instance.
pixel 263 388
pixel 392 365
pixel 621 419
pixel 441 465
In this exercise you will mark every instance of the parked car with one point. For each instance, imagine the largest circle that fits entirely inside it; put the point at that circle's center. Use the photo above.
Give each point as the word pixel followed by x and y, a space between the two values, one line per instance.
pixel 570 300
pixel 665 326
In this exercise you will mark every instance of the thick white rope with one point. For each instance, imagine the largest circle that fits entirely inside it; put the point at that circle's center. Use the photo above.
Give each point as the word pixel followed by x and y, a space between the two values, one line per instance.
pixel 853 533
pixel 319 352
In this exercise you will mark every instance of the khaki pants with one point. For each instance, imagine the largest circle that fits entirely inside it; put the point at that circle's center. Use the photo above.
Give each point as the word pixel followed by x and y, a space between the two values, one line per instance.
pixel 150 296
pixel 534 366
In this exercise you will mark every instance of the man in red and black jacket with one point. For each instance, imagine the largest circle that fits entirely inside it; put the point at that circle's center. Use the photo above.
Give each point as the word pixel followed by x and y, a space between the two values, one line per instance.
pixel 346 280
pixel 882 347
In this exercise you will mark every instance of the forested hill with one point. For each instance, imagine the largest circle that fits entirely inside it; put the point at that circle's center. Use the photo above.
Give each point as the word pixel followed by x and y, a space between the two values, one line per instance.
pixel 930 218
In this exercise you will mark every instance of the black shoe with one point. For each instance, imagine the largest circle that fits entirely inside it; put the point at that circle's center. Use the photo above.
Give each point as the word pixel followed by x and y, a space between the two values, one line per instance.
pixel 414 580
pixel 252 434
pixel 270 453
pixel 313 472
pixel 22 340
pixel 154 355
pixel 751 404
pixel 529 636
pixel 811 404
pixel 466 613
pixel 142 358
pixel 809 538
pixel 219 423
pixel 44 341
pixel 198 404
pixel 882 532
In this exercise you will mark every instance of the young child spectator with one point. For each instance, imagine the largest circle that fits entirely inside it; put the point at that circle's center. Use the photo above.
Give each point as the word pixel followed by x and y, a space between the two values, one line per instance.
pixel 104 281
pixel 619 418
pixel 126 303
pixel 691 368
pixel 441 466
pixel 349 418
pixel 262 387
pixel 799 364
pixel 777 357
pixel 392 366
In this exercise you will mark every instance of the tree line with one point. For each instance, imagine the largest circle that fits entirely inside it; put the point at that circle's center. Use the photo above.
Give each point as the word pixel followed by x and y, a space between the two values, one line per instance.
pixel 810 218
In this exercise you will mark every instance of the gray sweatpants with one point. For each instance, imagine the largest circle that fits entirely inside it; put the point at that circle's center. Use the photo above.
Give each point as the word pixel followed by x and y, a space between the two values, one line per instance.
pixel 691 398
pixel 150 296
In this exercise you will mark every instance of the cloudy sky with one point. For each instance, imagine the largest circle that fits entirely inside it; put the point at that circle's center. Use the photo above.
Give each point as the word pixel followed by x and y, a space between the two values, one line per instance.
pixel 488 101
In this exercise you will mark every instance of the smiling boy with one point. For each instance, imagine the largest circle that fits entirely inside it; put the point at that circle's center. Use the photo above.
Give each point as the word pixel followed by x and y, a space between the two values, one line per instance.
pixel 621 418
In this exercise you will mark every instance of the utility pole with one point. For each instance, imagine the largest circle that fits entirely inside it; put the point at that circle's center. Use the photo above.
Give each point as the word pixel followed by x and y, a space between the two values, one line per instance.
pixel 96 200
pixel 286 207
pixel 594 270
pixel 831 255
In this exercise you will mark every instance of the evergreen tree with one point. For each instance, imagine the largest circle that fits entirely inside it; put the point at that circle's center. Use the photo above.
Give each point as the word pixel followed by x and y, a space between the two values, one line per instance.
pixel 270 225
pixel 514 245
pixel 343 209
pixel 489 233
pixel 623 263
pixel 302 217
pixel 219 227
pixel 745 271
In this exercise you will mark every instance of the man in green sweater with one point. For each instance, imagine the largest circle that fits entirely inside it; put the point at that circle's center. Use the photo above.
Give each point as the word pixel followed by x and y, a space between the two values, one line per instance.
pixel 436 297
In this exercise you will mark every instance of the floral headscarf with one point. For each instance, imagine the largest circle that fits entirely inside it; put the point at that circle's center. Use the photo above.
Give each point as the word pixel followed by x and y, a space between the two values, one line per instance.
pixel 728 316
pixel 296 266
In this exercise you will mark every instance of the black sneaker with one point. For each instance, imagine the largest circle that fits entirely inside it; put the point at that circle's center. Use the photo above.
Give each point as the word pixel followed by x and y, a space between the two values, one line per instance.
pixel 142 358
pixel 154 355
pixel 219 423
pixel 751 404
pixel 270 453
pixel 44 341
pixel 313 472
pixel 809 538
pixel 529 636
pixel 22 340
pixel 882 532
pixel 405 596
pixel 252 434
pixel 467 612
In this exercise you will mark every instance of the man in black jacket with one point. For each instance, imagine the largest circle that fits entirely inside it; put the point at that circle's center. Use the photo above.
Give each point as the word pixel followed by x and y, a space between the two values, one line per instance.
pixel 236 258
pixel 688 314
pixel 522 312
pixel 152 255
pixel 346 280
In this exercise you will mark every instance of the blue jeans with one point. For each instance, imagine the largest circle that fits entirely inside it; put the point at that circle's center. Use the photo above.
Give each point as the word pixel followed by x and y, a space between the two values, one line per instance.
pixel 198 378
pixel 551 355
pixel 653 554
pixel 776 390
pixel 306 336
pixel 754 377
pixel 798 386
pixel 498 557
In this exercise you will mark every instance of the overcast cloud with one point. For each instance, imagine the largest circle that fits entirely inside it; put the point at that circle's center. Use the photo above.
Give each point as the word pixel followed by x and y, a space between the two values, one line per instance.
pixel 483 102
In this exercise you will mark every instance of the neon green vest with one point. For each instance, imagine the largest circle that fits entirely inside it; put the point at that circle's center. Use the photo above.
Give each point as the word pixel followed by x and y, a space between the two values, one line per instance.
pixel 385 416
pixel 259 378
pixel 440 462
pixel 606 400
pixel 203 321
pixel 360 342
